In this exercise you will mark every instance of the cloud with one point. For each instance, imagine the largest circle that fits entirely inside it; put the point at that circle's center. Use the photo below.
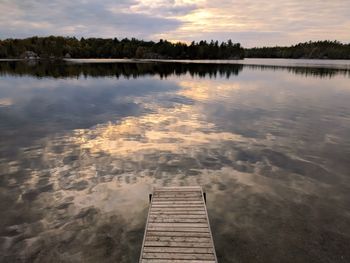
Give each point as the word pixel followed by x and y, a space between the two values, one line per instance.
pixel 250 22
pixel 165 8
pixel 266 22
pixel 79 18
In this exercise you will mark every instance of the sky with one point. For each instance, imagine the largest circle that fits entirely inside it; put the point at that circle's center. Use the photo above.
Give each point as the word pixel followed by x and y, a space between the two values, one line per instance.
pixel 250 22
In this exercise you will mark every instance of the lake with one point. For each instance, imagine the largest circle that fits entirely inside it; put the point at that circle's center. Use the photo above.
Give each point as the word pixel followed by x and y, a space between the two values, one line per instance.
pixel 83 143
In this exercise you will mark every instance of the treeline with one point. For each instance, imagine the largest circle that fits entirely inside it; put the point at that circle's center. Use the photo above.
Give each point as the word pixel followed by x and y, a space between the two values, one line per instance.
pixel 58 47
pixel 314 50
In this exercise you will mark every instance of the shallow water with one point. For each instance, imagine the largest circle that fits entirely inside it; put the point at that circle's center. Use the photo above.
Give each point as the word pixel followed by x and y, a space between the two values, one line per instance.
pixel 82 145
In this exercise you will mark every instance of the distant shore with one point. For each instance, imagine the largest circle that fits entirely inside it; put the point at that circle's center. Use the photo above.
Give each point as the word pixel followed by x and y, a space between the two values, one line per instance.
pixel 55 47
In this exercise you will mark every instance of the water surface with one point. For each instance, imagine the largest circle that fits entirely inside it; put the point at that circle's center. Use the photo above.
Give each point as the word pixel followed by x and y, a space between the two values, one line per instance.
pixel 82 145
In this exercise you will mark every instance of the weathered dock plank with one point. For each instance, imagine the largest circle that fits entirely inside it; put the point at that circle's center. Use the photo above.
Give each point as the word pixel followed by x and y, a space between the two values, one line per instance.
pixel 177 228
pixel 183 256
pixel 176 244
pixel 177 234
pixel 178 239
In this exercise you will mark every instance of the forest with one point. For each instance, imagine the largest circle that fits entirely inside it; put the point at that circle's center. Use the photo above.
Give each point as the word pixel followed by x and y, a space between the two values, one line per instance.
pixel 314 50
pixel 58 47
pixel 71 47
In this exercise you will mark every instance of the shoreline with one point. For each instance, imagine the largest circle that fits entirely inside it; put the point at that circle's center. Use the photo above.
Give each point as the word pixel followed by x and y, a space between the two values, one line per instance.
pixel 339 64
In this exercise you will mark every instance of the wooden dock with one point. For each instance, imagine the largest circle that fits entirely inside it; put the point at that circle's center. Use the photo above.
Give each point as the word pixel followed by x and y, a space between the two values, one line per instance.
pixel 177 228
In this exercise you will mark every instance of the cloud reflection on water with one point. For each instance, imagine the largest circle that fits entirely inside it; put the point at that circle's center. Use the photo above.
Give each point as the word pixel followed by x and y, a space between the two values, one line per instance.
pixel 274 191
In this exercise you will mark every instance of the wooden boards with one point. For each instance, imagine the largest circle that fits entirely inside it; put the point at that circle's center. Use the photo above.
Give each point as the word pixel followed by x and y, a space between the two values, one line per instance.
pixel 177 228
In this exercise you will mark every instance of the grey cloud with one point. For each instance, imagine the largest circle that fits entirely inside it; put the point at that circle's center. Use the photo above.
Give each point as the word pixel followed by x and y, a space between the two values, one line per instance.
pixel 82 18
pixel 173 9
